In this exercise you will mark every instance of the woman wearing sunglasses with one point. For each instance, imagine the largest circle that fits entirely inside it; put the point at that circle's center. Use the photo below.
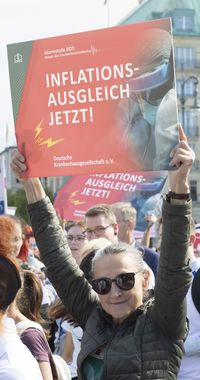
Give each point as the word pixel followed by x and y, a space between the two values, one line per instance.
pixel 125 337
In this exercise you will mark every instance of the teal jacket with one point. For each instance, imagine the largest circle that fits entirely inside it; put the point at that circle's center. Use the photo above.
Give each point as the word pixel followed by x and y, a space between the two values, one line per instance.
pixel 149 343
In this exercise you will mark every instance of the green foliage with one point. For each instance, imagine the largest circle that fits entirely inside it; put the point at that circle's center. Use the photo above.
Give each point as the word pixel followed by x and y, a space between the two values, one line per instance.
pixel 18 199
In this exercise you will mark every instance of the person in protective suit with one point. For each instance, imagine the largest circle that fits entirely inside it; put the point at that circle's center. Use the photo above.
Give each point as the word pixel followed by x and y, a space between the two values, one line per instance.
pixel 148 118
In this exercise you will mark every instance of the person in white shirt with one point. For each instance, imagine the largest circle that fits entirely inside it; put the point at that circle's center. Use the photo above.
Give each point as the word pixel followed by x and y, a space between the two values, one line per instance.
pixel 16 361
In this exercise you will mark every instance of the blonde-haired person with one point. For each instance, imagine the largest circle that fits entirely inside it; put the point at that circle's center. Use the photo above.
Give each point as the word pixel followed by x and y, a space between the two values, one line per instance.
pixel 88 252
pixel 73 332
pixel 76 237
pixel 16 361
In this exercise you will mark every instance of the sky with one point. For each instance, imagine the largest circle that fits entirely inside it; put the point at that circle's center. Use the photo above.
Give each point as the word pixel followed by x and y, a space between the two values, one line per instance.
pixel 24 20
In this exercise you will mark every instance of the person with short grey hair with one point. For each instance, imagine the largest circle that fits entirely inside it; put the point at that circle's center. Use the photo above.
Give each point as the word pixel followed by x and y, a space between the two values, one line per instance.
pixel 114 249
pixel 125 337
pixel 126 216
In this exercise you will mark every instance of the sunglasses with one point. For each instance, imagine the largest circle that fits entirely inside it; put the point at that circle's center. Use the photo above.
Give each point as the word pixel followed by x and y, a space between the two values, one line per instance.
pixel 124 281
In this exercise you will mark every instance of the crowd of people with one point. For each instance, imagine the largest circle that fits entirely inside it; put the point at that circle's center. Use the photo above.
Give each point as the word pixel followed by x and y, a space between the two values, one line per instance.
pixel 85 300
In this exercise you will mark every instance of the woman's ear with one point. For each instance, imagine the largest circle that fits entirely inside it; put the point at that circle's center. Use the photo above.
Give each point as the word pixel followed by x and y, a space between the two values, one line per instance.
pixel 116 228
pixel 146 277
pixel 192 239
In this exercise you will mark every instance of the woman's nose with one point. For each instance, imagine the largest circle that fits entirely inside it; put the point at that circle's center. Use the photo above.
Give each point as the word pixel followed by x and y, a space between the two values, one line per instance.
pixel 115 291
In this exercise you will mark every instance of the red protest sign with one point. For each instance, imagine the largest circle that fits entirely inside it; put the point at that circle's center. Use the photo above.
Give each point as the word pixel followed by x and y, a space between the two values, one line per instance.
pixel 82 192
pixel 95 102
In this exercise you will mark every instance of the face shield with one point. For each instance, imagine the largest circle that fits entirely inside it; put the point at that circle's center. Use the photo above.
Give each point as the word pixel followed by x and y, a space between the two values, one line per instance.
pixel 151 91
pixel 152 86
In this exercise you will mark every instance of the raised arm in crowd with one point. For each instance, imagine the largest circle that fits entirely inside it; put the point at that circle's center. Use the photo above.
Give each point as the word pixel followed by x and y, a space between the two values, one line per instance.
pixel 126 335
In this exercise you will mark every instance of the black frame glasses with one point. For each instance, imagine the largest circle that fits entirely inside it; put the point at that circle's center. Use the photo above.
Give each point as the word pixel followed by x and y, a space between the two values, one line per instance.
pixel 124 281
pixel 98 230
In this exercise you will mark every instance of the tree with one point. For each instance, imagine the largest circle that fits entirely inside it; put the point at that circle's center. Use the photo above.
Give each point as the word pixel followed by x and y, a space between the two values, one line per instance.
pixel 18 199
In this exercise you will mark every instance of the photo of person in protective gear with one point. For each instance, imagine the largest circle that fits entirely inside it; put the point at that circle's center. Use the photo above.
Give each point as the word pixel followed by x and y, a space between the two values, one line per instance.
pixel 148 118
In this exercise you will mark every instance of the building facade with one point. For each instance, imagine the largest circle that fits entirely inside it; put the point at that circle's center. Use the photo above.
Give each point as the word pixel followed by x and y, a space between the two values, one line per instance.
pixel 54 183
pixel 185 16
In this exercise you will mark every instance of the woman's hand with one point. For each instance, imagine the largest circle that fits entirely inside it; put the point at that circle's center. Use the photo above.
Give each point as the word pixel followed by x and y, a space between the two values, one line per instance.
pixel 182 158
pixel 32 186
pixel 18 164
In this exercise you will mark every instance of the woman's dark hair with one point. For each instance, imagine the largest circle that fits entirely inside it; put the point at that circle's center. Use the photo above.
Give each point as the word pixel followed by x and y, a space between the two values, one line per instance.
pixel 29 298
pixel 58 310
pixel 86 265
